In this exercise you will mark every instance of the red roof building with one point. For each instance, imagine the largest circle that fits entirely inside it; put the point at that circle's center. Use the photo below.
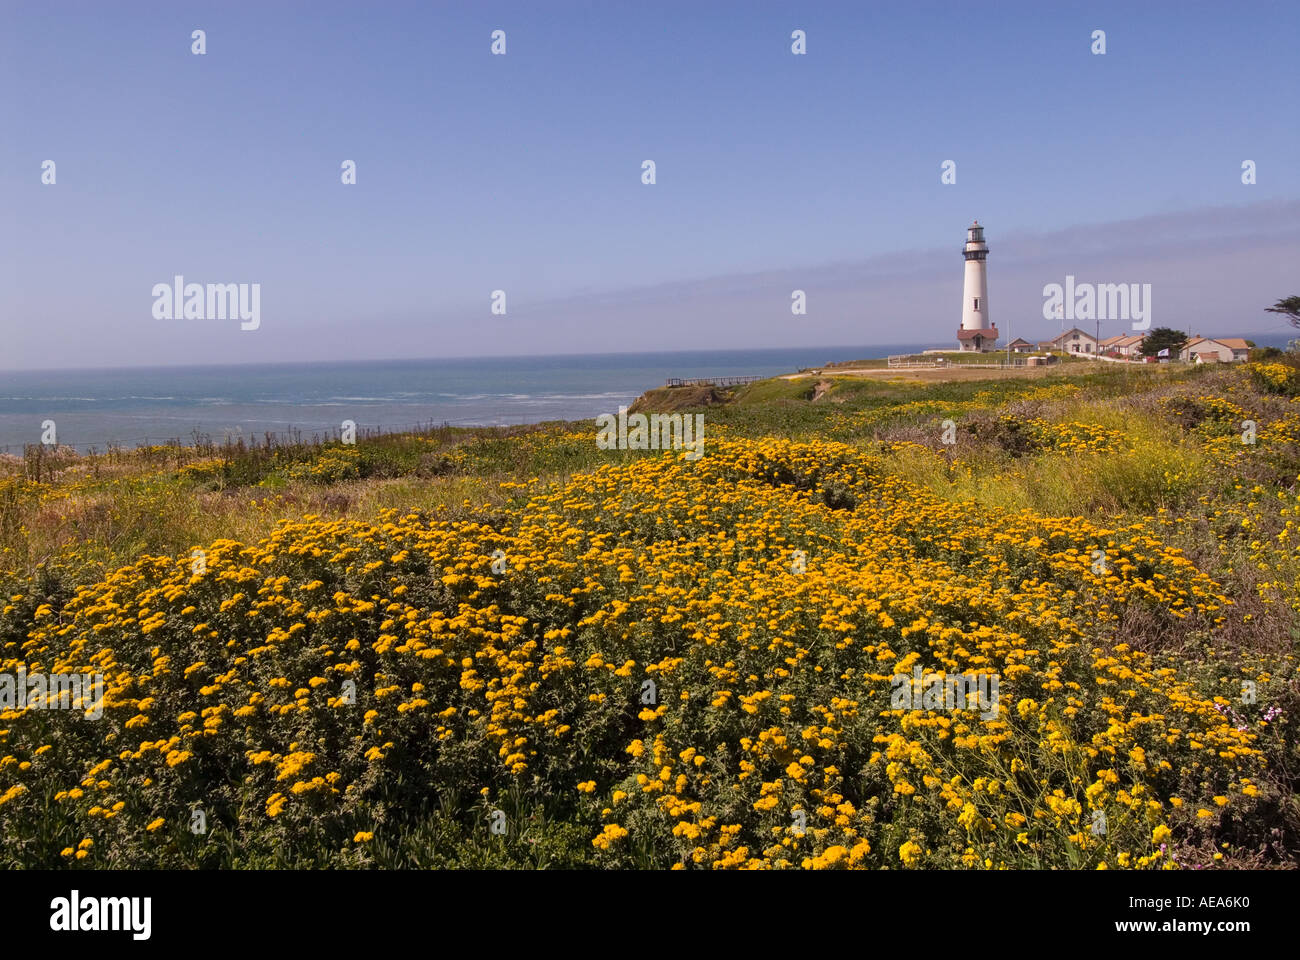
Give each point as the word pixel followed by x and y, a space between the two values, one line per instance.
pixel 977 340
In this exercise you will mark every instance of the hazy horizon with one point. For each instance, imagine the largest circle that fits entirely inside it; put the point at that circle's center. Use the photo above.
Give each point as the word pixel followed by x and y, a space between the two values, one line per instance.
pixel 1285 332
pixel 428 359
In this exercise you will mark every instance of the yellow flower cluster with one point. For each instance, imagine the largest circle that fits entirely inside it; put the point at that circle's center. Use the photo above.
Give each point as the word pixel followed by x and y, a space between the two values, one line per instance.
pixel 1073 436
pixel 706 645
pixel 335 464
pixel 1275 377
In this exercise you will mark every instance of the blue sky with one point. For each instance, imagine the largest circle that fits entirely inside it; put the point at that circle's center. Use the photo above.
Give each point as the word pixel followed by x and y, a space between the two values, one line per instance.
pixel 523 172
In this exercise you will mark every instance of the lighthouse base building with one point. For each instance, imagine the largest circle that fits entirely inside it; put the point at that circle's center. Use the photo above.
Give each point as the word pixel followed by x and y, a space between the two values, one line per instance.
pixel 976 333
pixel 977 341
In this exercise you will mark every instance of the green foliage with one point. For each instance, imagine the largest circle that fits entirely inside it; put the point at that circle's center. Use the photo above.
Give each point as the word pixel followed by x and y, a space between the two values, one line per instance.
pixel 1289 307
pixel 1163 338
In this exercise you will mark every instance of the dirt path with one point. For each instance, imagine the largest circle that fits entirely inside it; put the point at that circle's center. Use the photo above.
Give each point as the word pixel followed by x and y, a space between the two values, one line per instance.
pixel 937 374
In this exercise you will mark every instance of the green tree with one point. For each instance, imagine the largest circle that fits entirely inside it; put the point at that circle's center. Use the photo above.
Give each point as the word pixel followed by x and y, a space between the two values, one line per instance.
pixel 1162 338
pixel 1288 307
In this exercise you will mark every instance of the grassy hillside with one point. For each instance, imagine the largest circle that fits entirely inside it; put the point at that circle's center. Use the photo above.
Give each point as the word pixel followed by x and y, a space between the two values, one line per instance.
pixel 512 648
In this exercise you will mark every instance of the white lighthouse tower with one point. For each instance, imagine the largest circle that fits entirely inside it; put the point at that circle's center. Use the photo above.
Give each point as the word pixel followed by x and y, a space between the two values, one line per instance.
pixel 976 333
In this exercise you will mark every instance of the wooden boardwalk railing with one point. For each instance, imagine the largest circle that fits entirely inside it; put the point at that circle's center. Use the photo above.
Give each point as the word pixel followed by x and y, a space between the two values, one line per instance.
pixel 709 381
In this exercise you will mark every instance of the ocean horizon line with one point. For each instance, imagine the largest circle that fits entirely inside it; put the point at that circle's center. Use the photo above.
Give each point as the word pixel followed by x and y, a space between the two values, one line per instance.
pixel 350 361
pixel 1279 333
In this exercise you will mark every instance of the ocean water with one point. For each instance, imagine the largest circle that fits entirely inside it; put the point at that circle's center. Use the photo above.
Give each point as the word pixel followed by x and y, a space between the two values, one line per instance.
pixel 132 407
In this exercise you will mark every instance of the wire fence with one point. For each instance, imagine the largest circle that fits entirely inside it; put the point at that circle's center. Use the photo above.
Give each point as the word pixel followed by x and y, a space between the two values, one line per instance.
pixel 908 360
pixel 288 436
